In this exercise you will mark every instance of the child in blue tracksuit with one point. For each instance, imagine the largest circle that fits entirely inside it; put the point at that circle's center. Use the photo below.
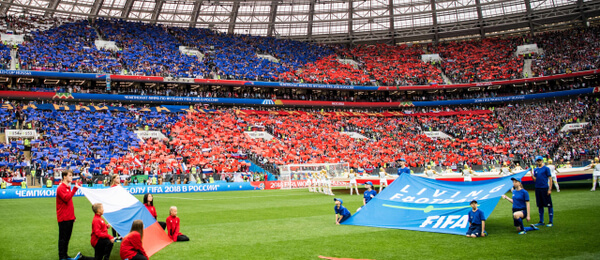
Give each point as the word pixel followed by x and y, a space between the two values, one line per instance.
pixel 341 212
pixel 476 221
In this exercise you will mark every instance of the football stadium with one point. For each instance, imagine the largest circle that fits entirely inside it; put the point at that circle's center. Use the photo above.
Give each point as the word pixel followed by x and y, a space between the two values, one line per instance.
pixel 299 129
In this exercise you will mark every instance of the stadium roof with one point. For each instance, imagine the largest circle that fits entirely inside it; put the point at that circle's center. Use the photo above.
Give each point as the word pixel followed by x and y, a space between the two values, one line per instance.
pixel 331 21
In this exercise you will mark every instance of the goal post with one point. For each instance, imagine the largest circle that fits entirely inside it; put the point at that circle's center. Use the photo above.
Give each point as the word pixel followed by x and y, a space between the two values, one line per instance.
pixel 291 172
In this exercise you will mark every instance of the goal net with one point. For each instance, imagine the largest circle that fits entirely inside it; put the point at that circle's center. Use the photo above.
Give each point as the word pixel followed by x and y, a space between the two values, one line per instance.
pixel 291 172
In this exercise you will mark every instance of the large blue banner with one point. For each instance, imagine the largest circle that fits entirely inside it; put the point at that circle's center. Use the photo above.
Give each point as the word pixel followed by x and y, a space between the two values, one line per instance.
pixel 422 204
pixel 18 193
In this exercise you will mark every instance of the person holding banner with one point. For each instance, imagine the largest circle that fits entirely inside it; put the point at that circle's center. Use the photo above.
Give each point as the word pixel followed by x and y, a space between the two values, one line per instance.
pixel 341 212
pixel 101 240
pixel 403 169
pixel 131 247
pixel 476 221
pixel 369 194
pixel 542 177
pixel 65 213
pixel 521 208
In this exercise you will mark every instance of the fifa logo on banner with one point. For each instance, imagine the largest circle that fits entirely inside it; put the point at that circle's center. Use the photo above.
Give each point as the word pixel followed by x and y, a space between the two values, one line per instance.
pixel 268 102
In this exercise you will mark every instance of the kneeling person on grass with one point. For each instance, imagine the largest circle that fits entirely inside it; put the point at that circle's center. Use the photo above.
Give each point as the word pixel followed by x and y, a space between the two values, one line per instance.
pixel 173 226
pixel 521 207
pixel 101 240
pixel 341 212
pixel 476 222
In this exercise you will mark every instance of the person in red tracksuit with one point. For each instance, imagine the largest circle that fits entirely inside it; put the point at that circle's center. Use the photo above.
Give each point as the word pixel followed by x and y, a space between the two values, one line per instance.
pixel 131 247
pixel 65 213
pixel 173 226
pixel 101 240
pixel 149 203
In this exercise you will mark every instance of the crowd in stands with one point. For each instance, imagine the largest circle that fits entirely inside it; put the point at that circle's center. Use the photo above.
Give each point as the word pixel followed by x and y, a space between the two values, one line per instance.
pixel 583 143
pixel 104 142
pixel 148 49
pixel 4 56
pixel 480 60
pixel 58 44
pixel 68 48
pixel 534 128
pixel 567 51
pixel 25 24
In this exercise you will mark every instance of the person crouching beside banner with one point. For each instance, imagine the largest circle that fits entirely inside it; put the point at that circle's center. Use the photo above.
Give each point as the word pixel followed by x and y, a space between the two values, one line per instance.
pixel 173 226
pixel 65 213
pixel 131 247
pixel 101 240
pixel 341 212
pixel 476 222
pixel 521 207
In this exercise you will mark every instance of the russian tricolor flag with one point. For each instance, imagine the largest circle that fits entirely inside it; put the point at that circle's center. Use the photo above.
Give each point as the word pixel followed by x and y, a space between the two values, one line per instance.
pixel 121 209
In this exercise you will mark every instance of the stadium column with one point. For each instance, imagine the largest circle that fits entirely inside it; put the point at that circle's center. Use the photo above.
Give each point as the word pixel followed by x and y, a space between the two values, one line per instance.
pixel 480 19
pixel 582 12
pixel 52 7
pixel 350 24
pixel 4 7
pixel 96 8
pixel 127 8
pixel 311 13
pixel 157 9
pixel 391 14
pixel 195 13
pixel 272 17
pixel 529 16
pixel 436 36
pixel 233 17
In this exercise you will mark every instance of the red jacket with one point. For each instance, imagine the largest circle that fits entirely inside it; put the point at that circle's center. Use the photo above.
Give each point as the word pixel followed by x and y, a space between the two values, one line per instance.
pixel 173 227
pixel 64 202
pixel 132 245
pixel 152 210
pixel 99 230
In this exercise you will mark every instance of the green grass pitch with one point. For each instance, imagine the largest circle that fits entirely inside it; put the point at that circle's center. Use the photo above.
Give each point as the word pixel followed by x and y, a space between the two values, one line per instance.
pixel 296 224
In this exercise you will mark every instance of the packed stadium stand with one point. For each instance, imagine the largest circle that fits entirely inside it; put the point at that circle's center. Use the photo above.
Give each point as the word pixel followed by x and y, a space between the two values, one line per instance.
pixel 515 110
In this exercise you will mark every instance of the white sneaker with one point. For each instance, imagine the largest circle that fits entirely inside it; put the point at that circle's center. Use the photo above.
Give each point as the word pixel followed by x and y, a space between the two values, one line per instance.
pixel 593 190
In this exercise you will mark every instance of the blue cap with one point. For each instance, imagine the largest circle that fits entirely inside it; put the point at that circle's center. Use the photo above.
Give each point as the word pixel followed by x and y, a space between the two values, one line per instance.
pixel 369 183
pixel 402 160
pixel 515 179
pixel 340 200
pixel 537 158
